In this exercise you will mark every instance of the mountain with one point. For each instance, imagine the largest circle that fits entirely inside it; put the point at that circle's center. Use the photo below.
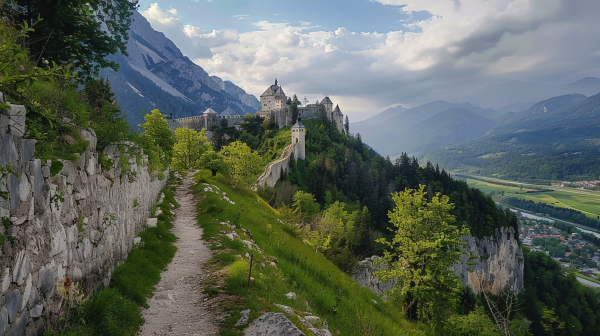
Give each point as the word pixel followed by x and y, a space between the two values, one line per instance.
pixel 448 127
pixel 507 97
pixel 555 139
pixel 394 135
pixel 157 75
pixel 381 117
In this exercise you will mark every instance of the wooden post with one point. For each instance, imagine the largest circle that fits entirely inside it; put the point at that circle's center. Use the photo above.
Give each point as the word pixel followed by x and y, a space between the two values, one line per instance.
pixel 250 270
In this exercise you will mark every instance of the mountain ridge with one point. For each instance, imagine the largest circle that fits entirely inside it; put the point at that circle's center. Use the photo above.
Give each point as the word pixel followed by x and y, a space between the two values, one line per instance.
pixel 156 74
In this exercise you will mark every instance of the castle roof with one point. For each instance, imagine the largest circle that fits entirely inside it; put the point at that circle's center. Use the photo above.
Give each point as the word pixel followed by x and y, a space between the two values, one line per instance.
pixel 337 108
pixel 272 90
pixel 298 124
pixel 326 100
pixel 210 111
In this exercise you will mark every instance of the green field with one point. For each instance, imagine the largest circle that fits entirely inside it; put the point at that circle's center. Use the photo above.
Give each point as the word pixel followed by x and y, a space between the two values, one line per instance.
pixel 586 201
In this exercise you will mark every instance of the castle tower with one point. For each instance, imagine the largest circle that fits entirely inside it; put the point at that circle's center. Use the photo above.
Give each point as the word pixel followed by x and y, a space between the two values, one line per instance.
pixel 338 118
pixel 328 105
pixel 210 118
pixel 298 137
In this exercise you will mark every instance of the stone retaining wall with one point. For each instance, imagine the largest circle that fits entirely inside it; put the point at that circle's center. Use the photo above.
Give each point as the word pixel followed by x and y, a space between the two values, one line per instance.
pixel 80 223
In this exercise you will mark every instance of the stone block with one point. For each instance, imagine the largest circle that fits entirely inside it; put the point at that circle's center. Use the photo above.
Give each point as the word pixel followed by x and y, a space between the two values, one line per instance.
pixel 91 166
pixel 24 188
pixel 6 280
pixel 22 268
pixel 26 149
pixel 59 241
pixel 19 327
pixel 38 180
pixel 47 281
pixel 16 120
pixel 13 189
pixel 26 292
pixel 12 304
pixel 3 320
pixel 36 311
pixel 34 298
pixel 46 171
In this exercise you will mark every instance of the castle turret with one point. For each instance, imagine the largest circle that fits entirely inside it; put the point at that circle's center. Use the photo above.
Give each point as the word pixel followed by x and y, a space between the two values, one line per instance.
pixel 328 105
pixel 298 138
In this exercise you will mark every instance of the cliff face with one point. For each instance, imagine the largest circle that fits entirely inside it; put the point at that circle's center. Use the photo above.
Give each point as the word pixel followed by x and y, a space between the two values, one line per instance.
pixel 499 265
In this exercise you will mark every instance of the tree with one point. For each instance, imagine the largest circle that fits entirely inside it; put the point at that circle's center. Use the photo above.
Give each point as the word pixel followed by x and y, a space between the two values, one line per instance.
pixel 243 164
pixel 213 161
pixel 189 148
pixel 104 115
pixel 157 128
pixel 475 323
pixel 347 125
pixel 305 204
pixel 75 32
pixel 552 324
pixel 425 245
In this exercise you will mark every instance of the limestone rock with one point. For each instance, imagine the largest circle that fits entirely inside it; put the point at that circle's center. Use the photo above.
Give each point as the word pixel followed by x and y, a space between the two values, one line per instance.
pixel 286 309
pixel 320 332
pixel 244 318
pixel 27 149
pixel 151 222
pixel 47 281
pixel 12 304
pixel 291 296
pixel 6 280
pixel 312 319
pixel 8 154
pixel 36 311
pixel 3 320
pixel 272 324
pixel 18 328
pixel 59 241
pixel 22 268
pixel 26 292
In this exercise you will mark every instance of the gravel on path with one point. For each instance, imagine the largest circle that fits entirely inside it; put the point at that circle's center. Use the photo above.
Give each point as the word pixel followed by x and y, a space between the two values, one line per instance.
pixel 179 307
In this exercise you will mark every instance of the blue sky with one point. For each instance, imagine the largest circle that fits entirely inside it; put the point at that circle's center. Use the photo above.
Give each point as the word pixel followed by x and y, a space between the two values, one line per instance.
pixel 372 54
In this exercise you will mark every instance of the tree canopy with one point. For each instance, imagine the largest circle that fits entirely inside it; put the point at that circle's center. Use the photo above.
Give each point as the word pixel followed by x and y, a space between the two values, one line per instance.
pixel 77 32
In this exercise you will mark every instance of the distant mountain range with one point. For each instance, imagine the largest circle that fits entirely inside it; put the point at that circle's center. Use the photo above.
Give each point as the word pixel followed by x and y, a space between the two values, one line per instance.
pixel 517 96
pixel 556 139
pixel 157 75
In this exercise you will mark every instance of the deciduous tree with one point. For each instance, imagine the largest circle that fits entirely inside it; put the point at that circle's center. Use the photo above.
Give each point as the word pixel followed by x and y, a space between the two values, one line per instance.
pixel 189 148
pixel 424 247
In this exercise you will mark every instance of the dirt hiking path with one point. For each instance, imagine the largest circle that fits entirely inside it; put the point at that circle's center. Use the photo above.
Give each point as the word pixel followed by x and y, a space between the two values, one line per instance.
pixel 179 307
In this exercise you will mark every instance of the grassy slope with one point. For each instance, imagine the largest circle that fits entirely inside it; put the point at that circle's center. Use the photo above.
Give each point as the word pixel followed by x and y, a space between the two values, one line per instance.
pixel 588 202
pixel 322 289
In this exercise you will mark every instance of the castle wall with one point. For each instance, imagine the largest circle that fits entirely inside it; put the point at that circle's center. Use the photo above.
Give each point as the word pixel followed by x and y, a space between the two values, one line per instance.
pixel 80 223
pixel 273 170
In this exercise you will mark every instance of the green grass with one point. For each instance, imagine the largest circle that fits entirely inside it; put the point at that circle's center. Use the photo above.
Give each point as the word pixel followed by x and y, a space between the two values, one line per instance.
pixel 322 289
pixel 586 201
pixel 116 310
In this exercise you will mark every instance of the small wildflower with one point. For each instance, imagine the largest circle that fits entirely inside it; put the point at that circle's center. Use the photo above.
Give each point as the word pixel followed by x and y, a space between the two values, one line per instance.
pixel 103 117
pixel 91 123
pixel 101 100
pixel 96 108
pixel 82 97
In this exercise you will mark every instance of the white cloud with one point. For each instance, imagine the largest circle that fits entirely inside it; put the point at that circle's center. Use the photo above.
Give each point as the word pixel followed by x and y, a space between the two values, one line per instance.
pixel 462 44
pixel 156 14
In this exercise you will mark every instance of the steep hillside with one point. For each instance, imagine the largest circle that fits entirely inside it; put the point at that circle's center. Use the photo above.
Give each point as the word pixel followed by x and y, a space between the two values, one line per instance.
pixel 380 117
pixel 157 75
pixel 560 145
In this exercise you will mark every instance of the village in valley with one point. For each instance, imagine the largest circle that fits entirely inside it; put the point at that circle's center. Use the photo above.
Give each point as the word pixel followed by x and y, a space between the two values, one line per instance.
pixel 572 249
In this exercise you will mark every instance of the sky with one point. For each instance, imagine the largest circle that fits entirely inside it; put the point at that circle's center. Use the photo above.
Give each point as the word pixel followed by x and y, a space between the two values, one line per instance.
pixel 368 55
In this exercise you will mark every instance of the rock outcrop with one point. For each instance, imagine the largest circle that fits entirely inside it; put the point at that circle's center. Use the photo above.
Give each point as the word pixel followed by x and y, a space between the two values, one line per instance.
pixel 499 265
pixel 80 222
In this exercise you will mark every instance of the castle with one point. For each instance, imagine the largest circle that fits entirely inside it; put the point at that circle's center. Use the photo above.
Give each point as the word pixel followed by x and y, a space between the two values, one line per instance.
pixel 273 107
